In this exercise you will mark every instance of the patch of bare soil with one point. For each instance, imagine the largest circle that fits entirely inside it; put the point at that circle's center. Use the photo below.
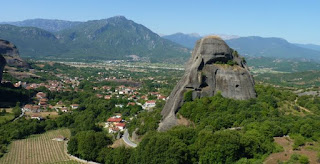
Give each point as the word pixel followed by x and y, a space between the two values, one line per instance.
pixel 119 143
pixel 287 143
pixel 40 65
pixel 184 121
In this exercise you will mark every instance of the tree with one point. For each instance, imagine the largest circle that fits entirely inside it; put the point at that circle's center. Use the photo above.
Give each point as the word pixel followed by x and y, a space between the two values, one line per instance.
pixel 88 144
pixel 188 96
pixel 219 147
pixel 3 112
pixel 306 130
pixel 17 110
pixel 304 159
pixel 160 148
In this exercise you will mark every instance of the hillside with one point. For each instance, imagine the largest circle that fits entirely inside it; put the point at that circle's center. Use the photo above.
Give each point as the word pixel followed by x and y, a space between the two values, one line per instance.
pixel 309 46
pixel 255 46
pixel 51 25
pixel 106 39
pixel 187 40
pixel 272 47
pixel 31 41
pixel 117 38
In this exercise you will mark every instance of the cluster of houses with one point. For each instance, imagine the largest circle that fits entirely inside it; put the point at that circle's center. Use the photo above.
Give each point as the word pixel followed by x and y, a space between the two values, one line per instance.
pixel 131 93
pixel 115 124
pixel 61 106
pixel 42 103
pixel 53 85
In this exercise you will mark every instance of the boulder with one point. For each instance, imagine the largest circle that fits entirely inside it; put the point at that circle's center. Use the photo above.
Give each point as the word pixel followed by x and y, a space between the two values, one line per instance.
pixel 214 67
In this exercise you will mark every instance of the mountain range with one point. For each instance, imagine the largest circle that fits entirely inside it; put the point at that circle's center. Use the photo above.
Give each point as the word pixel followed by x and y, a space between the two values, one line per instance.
pixel 106 39
pixel 309 46
pixel 120 38
pixel 258 46
pixel 51 25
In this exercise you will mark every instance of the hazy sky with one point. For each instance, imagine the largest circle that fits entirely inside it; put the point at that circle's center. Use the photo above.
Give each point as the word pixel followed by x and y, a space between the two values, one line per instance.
pixel 294 20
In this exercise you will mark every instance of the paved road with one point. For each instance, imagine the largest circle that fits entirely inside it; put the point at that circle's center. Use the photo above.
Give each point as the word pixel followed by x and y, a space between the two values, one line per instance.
pixel 126 139
pixel 21 115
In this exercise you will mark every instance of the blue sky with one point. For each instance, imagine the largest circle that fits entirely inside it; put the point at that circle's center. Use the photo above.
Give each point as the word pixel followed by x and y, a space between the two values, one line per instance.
pixel 295 20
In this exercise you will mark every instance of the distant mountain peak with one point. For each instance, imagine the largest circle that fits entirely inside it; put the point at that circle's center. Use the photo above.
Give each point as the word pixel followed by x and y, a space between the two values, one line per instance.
pixel 105 39
pixel 118 17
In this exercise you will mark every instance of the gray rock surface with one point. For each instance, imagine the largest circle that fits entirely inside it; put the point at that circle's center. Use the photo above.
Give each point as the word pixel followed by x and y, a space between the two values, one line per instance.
pixel 208 73
pixel 10 52
pixel 2 64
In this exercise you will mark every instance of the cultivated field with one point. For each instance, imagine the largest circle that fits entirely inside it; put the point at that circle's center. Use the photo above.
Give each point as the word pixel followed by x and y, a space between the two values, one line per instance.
pixel 51 115
pixel 39 149
pixel 7 117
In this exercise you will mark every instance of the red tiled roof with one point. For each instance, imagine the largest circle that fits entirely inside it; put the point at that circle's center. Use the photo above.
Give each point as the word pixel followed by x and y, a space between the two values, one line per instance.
pixel 131 103
pixel 121 124
pixel 28 106
pixel 151 101
pixel 114 119
pixel 115 129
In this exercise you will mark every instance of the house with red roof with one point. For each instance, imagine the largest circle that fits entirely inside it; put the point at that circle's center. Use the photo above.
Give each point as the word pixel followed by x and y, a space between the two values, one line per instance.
pixel 121 126
pixel 114 120
pixel 115 124
pixel 131 103
pixel 27 107
pixel 160 97
pixel 107 97
pixel 149 104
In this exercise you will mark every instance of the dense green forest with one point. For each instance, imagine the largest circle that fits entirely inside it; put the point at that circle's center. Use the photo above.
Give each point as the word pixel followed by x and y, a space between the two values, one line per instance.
pixel 211 140
pixel 221 130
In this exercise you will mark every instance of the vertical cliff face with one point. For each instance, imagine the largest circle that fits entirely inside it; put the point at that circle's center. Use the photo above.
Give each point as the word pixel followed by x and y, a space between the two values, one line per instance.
pixel 2 64
pixel 10 52
pixel 213 68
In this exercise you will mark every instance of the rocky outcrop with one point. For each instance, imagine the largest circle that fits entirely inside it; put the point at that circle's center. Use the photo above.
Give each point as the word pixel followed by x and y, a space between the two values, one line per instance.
pixel 2 64
pixel 11 54
pixel 213 68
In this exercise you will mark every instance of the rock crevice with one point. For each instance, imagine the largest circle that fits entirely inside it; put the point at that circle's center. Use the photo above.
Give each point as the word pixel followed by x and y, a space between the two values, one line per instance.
pixel 213 68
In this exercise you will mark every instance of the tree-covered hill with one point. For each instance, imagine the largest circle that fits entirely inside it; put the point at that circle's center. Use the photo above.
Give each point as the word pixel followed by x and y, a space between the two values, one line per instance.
pixel 187 40
pixel 272 47
pixel 106 39
pixel 32 42
pixel 51 25
pixel 118 37
pixel 256 46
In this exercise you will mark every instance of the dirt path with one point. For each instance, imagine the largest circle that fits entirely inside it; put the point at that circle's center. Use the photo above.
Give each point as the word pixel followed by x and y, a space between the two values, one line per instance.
pixel 287 143
pixel 303 108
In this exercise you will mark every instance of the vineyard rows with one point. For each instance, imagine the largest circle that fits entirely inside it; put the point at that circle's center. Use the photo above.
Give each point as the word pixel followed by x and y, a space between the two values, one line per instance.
pixel 38 149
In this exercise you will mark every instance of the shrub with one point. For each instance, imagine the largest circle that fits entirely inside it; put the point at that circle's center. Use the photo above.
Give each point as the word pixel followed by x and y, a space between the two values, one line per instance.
pixel 231 63
pixel 298 141
pixel 188 96
pixel 303 159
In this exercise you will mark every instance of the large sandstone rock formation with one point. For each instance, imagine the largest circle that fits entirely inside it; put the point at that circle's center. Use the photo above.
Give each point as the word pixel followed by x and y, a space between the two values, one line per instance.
pixel 11 54
pixel 2 64
pixel 213 68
